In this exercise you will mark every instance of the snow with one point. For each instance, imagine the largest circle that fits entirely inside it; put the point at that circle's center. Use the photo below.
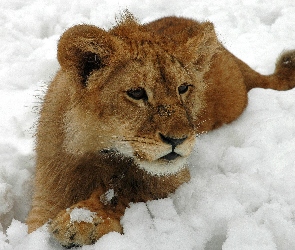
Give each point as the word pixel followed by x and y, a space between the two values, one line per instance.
pixel 107 197
pixel 241 195
pixel 81 214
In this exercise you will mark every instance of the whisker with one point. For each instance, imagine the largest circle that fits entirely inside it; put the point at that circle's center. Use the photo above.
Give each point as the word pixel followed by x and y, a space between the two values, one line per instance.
pixel 140 140
pixel 135 139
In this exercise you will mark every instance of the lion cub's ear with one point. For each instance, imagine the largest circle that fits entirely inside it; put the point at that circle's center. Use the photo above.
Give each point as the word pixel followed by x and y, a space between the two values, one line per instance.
pixel 84 48
pixel 201 46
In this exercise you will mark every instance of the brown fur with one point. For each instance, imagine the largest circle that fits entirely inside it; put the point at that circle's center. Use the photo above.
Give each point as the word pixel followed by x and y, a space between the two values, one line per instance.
pixel 94 136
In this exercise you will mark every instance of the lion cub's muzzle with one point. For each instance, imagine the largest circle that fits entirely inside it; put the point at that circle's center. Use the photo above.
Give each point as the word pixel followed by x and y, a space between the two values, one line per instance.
pixel 174 142
pixel 166 156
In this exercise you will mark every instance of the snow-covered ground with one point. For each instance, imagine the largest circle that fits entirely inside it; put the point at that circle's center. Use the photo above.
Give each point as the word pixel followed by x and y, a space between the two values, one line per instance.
pixel 242 192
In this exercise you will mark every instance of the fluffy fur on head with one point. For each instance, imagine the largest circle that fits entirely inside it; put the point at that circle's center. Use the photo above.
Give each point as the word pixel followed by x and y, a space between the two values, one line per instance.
pixel 122 114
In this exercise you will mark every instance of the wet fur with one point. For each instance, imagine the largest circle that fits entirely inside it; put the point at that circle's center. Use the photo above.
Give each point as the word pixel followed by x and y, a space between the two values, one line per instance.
pixel 92 137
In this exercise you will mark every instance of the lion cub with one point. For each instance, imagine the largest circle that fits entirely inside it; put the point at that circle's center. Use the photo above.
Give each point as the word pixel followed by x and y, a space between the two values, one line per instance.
pixel 121 116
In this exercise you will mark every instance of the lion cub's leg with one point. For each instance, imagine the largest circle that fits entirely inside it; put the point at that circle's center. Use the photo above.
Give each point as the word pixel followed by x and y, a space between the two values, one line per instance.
pixel 85 222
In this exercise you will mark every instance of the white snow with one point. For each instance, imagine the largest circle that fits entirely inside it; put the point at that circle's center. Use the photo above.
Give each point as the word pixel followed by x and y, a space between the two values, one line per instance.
pixel 81 214
pixel 107 197
pixel 242 192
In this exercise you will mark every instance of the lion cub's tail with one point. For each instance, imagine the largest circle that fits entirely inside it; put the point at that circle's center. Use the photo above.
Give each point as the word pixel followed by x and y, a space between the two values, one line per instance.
pixel 283 77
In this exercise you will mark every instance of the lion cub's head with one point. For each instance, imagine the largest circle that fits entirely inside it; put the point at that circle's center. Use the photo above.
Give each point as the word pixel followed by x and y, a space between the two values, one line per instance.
pixel 134 91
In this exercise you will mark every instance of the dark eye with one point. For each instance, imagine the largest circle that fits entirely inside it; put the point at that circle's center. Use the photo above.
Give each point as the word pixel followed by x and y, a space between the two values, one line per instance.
pixel 137 94
pixel 183 88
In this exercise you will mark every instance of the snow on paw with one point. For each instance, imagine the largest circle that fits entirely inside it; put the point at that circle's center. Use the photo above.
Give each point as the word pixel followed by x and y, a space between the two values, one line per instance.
pixel 79 226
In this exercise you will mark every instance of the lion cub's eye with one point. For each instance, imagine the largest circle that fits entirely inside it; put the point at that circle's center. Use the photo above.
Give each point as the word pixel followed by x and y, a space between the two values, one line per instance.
pixel 183 88
pixel 137 94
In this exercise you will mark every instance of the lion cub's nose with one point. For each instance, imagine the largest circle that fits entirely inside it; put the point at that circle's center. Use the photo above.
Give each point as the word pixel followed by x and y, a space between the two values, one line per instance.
pixel 172 141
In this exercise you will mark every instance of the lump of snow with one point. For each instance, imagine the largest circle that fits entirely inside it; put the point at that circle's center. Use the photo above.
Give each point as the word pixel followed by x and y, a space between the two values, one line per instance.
pixel 107 197
pixel 16 232
pixel 245 233
pixel 81 215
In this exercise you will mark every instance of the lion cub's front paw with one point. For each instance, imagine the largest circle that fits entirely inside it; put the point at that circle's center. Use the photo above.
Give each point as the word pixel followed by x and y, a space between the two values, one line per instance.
pixel 79 226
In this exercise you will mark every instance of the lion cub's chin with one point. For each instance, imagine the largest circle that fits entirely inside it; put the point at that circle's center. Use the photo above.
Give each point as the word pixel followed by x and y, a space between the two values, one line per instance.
pixel 162 167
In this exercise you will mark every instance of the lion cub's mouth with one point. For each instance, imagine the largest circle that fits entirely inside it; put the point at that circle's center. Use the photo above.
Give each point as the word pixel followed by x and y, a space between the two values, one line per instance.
pixel 170 157
pixel 161 165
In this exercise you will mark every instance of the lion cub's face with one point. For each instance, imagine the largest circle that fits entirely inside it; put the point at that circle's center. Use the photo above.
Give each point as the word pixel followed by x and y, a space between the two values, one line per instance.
pixel 143 104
